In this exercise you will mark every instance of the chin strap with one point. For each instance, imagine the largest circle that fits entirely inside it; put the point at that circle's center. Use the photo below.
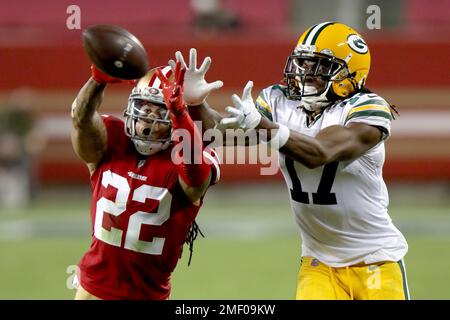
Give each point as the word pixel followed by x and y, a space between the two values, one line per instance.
pixel 313 103
pixel 148 148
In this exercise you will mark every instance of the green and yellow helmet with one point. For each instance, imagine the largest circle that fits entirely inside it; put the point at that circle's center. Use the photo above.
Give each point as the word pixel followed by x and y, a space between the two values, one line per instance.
pixel 340 56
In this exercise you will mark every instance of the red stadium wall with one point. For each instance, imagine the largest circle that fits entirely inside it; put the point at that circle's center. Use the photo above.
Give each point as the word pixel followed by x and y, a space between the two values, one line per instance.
pixel 401 67
pixel 395 63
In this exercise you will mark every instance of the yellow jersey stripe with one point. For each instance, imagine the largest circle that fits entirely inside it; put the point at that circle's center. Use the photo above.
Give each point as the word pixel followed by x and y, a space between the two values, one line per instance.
pixel 370 107
pixel 261 102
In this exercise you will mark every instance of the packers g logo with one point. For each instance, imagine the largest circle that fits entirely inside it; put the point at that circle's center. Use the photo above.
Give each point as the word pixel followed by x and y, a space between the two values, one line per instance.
pixel 356 43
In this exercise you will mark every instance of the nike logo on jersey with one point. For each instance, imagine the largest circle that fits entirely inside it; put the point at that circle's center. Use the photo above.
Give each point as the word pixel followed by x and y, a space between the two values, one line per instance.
pixel 141 163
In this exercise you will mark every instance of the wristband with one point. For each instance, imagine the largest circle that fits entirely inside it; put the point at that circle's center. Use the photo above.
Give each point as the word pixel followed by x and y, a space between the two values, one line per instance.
pixel 280 138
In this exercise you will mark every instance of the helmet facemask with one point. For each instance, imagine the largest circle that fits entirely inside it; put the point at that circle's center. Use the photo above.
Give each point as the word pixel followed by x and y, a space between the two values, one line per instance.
pixel 147 121
pixel 309 76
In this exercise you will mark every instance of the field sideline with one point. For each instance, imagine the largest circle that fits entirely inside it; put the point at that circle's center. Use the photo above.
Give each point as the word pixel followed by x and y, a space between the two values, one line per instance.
pixel 251 250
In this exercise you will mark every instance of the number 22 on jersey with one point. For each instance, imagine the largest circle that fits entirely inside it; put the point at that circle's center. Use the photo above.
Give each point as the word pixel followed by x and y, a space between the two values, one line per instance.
pixel 137 219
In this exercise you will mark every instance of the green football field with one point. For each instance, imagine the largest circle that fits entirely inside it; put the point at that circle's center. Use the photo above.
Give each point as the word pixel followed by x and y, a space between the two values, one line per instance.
pixel 251 249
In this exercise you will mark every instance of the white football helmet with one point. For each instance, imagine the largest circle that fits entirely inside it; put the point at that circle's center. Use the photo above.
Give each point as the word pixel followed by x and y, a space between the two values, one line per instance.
pixel 141 126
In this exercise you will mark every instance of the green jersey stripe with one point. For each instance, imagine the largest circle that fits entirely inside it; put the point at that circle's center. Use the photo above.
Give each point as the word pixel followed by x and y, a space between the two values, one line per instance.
pixel 263 111
pixel 372 101
pixel 370 113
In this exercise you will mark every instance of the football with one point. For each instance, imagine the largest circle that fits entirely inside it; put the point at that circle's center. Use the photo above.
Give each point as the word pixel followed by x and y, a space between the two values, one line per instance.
pixel 115 51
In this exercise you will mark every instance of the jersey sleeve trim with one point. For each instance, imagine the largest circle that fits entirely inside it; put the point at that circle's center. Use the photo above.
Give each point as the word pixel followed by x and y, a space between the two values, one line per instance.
pixel 264 108
pixel 378 102
pixel 370 110
pixel 263 104
pixel 370 113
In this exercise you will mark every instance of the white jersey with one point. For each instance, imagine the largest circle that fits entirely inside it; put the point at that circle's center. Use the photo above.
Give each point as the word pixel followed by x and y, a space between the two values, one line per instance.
pixel 341 207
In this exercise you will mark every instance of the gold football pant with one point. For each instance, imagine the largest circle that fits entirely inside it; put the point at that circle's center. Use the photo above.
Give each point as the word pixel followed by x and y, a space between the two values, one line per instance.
pixel 385 280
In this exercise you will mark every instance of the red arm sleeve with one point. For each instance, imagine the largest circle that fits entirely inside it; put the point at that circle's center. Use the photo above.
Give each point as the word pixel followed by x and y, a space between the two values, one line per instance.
pixel 193 168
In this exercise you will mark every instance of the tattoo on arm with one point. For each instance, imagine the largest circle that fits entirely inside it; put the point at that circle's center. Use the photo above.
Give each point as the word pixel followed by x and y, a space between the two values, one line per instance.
pixel 88 131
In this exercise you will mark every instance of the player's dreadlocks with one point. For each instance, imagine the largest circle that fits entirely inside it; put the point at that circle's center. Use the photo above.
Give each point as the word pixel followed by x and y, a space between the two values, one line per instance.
pixel 192 235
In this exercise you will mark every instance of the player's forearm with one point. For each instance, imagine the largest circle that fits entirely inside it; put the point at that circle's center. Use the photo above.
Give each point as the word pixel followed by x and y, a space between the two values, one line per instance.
pixel 89 133
pixel 204 113
pixel 193 169
pixel 89 142
pixel 87 103
pixel 194 173
pixel 334 143
pixel 302 148
pixel 306 150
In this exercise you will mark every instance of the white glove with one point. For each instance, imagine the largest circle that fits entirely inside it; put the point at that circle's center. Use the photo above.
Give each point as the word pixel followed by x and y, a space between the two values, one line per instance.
pixel 244 113
pixel 196 89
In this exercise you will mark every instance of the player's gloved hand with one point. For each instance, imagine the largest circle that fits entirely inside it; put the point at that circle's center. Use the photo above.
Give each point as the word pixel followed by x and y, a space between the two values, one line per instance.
pixel 173 91
pixel 196 89
pixel 102 78
pixel 244 113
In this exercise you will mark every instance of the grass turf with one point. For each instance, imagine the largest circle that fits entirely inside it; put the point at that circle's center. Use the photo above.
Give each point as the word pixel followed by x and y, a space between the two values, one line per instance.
pixel 251 251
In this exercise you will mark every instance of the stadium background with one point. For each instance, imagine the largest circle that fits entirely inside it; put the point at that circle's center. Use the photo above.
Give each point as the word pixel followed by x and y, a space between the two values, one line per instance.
pixel 252 247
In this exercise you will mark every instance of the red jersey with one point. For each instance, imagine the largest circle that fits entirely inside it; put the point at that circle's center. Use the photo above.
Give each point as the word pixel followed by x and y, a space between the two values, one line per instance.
pixel 140 221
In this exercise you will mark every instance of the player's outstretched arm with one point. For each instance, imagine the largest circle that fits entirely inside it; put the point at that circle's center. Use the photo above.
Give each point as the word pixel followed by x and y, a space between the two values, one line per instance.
pixel 209 117
pixel 334 143
pixel 194 173
pixel 88 131
pixel 196 89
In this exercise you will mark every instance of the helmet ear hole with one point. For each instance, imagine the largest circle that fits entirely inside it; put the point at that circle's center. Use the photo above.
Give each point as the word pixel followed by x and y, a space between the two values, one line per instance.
pixel 343 88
